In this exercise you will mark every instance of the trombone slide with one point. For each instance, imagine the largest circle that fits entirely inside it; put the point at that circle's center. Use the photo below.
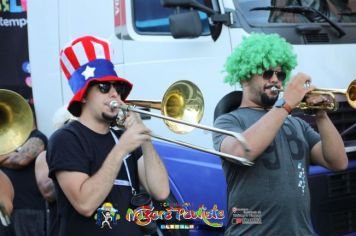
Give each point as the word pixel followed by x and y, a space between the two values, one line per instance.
pixel 239 137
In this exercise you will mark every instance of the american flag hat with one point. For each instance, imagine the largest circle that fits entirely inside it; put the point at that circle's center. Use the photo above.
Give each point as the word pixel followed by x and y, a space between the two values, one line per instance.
pixel 87 59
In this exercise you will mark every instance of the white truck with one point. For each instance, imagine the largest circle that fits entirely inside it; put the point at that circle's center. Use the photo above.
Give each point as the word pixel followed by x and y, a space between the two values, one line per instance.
pixel 154 46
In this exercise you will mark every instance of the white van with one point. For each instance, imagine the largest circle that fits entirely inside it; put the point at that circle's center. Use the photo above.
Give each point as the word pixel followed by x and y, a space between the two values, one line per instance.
pixel 153 50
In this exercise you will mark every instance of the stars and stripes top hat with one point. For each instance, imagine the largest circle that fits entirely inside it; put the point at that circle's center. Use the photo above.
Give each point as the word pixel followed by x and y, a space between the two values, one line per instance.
pixel 87 59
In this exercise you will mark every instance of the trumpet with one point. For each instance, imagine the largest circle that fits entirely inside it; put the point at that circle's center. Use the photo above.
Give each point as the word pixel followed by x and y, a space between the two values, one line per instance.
pixel 331 104
pixel 182 100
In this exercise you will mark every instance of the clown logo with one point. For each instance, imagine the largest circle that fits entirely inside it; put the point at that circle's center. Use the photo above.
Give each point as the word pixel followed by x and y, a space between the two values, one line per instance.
pixel 106 216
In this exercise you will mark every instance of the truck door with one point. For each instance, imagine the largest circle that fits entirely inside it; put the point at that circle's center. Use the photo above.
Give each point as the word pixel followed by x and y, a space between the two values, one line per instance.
pixel 153 60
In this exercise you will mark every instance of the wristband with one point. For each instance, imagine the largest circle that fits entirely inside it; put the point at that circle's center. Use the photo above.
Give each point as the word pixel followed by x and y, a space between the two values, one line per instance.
pixel 281 103
pixel 287 108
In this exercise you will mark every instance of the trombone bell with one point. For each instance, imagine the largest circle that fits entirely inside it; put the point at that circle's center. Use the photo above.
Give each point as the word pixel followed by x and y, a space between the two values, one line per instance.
pixel 16 121
pixel 183 100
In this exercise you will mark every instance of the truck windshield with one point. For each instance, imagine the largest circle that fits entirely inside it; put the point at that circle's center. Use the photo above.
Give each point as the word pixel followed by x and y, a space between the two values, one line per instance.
pixel 300 21
pixel 343 11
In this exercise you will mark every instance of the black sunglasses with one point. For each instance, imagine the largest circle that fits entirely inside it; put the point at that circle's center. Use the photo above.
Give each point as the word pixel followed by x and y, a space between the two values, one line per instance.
pixel 268 74
pixel 120 87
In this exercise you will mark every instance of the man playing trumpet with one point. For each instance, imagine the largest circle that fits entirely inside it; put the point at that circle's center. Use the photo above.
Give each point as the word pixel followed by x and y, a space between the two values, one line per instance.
pixel 282 146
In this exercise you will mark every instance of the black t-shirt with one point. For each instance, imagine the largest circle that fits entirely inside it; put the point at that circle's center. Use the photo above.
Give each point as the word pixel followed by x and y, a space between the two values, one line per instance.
pixel 77 148
pixel 27 194
pixel 53 224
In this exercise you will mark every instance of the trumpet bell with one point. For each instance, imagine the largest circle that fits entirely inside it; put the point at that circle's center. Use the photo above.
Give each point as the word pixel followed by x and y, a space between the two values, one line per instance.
pixel 16 121
pixel 183 100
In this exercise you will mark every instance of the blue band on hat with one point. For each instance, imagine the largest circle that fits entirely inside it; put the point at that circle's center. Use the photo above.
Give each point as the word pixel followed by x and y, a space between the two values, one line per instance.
pixel 95 69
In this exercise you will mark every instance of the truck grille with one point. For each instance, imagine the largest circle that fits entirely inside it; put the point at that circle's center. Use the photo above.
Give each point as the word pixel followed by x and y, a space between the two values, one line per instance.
pixel 340 184
pixel 343 222
pixel 316 38
pixel 333 202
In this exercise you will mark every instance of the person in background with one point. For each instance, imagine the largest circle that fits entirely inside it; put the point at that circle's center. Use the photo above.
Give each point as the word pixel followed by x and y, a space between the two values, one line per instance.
pixel 45 184
pixel 28 217
pixel 6 199
pixel 275 189
pixel 97 169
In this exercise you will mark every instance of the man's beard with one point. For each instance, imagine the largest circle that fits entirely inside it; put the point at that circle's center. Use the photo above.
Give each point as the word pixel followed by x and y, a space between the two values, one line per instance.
pixel 268 101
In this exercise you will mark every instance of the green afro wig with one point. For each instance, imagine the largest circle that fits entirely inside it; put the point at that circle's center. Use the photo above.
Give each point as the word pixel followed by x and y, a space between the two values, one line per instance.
pixel 257 53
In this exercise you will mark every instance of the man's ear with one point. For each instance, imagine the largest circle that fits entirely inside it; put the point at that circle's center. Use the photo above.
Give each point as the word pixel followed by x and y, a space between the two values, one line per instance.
pixel 85 96
pixel 244 83
pixel 84 99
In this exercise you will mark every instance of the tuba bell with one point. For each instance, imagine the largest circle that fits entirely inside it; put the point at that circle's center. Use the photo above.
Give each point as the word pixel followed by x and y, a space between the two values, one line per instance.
pixel 16 121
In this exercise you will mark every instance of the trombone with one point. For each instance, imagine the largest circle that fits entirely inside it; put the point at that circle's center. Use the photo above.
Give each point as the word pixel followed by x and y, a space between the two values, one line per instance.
pixel 16 121
pixel 182 109
pixel 332 104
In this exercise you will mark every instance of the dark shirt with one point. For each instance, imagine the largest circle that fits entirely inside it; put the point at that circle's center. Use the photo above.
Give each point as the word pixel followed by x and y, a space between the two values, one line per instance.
pixel 272 196
pixel 77 148
pixel 53 224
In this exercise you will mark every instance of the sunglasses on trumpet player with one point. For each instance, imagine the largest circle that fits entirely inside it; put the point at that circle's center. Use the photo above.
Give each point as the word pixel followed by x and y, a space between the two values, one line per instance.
pixel 268 74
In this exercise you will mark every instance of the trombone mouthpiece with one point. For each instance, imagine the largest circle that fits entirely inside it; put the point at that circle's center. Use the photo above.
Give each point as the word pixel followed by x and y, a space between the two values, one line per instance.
pixel 113 105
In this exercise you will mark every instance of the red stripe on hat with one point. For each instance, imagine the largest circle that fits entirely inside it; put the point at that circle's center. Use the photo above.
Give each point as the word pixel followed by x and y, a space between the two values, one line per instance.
pixel 64 68
pixel 72 57
pixel 89 49
pixel 105 46
pixel 106 50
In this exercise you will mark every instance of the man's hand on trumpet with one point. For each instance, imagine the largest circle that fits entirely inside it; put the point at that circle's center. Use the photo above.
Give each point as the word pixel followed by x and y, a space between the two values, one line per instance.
pixel 296 90
pixel 317 99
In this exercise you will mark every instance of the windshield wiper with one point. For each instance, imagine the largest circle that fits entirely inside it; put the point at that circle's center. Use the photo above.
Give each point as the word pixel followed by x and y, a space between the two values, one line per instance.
pixel 347 13
pixel 308 12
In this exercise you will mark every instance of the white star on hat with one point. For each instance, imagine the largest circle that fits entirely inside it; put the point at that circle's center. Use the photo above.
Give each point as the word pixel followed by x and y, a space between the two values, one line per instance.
pixel 88 72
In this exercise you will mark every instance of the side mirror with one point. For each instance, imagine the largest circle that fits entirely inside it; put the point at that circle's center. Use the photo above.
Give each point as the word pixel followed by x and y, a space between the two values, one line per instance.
pixel 185 25
pixel 189 25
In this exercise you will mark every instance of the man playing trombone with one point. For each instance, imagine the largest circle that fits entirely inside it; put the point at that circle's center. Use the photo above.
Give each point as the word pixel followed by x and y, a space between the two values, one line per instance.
pixel 93 166
pixel 275 189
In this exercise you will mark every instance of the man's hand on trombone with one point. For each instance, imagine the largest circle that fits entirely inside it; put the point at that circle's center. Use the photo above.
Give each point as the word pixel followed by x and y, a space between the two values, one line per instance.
pixel 136 132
